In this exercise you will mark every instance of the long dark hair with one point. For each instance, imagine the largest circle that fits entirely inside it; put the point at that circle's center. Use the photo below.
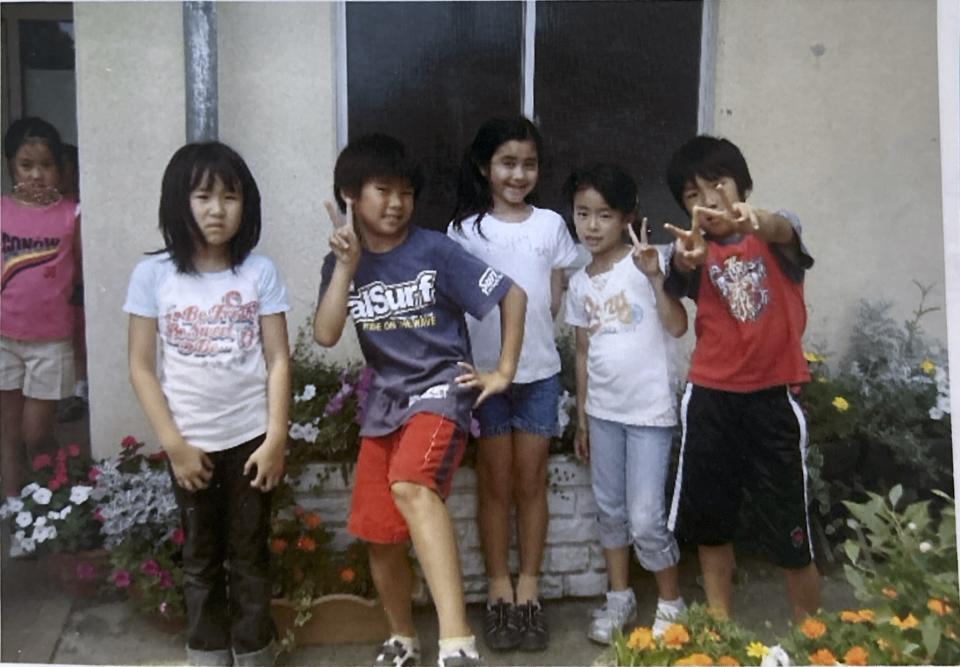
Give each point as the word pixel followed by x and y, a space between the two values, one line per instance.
pixel 198 165
pixel 473 188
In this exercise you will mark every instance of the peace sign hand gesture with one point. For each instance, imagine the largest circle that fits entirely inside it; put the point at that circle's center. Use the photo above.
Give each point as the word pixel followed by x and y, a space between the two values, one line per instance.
pixel 690 247
pixel 739 218
pixel 344 241
pixel 645 256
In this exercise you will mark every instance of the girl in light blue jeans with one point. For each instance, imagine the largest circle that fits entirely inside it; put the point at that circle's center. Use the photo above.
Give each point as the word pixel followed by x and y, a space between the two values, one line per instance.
pixel 624 323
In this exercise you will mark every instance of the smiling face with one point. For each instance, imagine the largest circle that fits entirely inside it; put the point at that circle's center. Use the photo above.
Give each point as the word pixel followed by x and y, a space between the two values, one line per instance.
pixel 34 168
pixel 383 210
pixel 600 228
pixel 512 174
pixel 217 210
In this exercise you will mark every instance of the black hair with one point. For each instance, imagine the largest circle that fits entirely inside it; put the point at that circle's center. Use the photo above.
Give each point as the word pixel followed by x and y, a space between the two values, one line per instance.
pixel 198 165
pixel 614 184
pixel 709 158
pixel 473 188
pixel 30 128
pixel 373 156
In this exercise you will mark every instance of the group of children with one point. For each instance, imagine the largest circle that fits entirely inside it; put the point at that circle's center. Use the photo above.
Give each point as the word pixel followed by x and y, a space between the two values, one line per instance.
pixel 461 324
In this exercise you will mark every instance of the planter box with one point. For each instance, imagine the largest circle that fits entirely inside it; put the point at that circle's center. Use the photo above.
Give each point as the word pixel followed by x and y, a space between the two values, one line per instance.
pixel 336 619
pixel 79 573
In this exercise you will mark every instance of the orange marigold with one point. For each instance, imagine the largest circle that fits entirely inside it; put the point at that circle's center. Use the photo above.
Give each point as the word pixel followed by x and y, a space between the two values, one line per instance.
pixel 640 639
pixel 905 624
pixel 347 575
pixel 278 545
pixel 695 659
pixel 938 607
pixel 823 657
pixel 867 615
pixel 850 617
pixel 889 592
pixel 306 543
pixel 298 511
pixel 311 520
pixel 728 661
pixel 813 628
pixel 675 636
pixel 856 656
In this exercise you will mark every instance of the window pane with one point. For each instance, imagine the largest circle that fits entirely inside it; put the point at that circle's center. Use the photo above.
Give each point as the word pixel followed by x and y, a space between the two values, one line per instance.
pixel 430 73
pixel 617 82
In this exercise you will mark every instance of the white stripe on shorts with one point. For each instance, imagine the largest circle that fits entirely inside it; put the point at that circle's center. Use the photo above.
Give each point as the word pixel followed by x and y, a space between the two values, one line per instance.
pixel 678 482
pixel 802 421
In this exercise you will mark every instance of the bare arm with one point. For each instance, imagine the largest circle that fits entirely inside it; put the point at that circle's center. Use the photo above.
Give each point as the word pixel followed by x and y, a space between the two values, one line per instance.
pixel 556 291
pixel 331 313
pixel 269 456
pixel 582 442
pixel 191 467
pixel 646 257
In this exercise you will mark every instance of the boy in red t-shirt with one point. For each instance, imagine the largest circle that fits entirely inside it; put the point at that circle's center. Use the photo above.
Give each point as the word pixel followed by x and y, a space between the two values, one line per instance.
pixel 743 429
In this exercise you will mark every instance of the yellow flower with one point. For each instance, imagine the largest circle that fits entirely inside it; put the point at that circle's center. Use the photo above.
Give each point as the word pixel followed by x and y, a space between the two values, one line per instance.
pixel 928 366
pixel 850 617
pixel 890 592
pixel 840 403
pixel 909 622
pixel 938 607
pixel 867 615
pixel 675 636
pixel 757 650
pixel 813 628
pixel 712 636
pixel 823 657
pixel 813 357
pixel 695 659
pixel 728 661
pixel 640 639
pixel 856 656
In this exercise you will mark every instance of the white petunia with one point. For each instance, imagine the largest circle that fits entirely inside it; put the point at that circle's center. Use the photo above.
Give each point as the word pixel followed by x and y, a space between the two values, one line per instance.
pixel 11 506
pixel 925 547
pixel 79 494
pixel 65 511
pixel 42 496
pixel 24 519
pixel 308 393
pixel 310 433
pixel 29 489
pixel 40 522
pixel 912 526
pixel 28 545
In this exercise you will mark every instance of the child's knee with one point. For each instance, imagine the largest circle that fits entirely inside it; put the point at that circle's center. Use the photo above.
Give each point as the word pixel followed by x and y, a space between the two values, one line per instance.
pixel 410 494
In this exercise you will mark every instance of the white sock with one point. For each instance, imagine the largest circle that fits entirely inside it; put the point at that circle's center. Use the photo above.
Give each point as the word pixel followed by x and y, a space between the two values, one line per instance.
pixel 408 642
pixel 621 596
pixel 674 606
pixel 453 646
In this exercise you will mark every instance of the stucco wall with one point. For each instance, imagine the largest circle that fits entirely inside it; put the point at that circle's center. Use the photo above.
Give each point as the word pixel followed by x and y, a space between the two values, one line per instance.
pixel 834 105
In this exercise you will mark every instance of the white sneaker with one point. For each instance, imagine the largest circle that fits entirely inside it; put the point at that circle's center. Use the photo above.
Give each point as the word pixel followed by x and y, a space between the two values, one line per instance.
pixel 612 616
pixel 398 652
pixel 666 615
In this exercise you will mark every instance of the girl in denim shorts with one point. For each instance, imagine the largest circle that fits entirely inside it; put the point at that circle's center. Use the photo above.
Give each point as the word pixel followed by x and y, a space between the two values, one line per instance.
pixel 495 221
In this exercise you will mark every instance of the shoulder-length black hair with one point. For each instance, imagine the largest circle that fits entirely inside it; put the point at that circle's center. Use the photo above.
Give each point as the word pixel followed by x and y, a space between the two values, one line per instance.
pixel 473 188
pixel 198 165
pixel 31 128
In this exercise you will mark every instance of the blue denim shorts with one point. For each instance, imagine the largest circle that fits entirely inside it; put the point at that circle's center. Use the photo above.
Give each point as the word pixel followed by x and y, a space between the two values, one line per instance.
pixel 530 407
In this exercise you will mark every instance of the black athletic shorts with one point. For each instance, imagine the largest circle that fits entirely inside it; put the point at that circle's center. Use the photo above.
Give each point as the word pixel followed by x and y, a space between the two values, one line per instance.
pixel 734 442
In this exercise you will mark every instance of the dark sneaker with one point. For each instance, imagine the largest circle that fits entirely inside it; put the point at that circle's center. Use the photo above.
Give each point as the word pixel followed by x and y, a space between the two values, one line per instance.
pixel 500 629
pixel 395 653
pixel 534 634
pixel 459 659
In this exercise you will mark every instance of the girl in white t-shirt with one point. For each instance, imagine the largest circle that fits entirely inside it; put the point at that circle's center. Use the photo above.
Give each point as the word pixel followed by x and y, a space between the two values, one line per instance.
pixel 494 221
pixel 626 410
pixel 220 400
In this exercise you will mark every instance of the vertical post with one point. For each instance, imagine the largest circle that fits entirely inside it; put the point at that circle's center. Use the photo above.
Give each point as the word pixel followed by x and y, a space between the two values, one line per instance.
pixel 200 60
pixel 529 55
pixel 343 107
pixel 708 67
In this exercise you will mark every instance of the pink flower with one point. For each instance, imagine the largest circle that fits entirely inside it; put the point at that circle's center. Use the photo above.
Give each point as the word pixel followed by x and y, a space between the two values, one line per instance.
pixel 166 579
pixel 41 461
pixel 163 608
pixel 158 456
pixel 121 579
pixel 73 450
pixel 151 568
pixel 93 474
pixel 98 515
pixel 128 442
pixel 178 537
pixel 54 484
pixel 61 457
pixel 85 571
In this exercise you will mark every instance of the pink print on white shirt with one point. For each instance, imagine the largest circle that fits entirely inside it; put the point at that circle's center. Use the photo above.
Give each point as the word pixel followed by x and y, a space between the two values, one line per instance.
pixel 227 326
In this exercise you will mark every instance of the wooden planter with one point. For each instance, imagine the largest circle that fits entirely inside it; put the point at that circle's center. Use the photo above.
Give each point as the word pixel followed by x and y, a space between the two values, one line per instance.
pixel 79 573
pixel 337 619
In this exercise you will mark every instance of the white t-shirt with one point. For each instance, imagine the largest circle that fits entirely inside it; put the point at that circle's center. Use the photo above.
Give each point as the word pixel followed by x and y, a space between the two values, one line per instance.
pixel 212 369
pixel 630 376
pixel 527 252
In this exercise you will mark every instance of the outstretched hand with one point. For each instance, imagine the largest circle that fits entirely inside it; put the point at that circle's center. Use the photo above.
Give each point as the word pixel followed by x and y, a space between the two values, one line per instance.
pixel 645 256
pixel 488 383
pixel 691 248
pixel 344 241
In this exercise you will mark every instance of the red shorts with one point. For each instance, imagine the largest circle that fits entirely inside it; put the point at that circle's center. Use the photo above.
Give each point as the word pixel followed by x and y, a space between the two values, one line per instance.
pixel 426 450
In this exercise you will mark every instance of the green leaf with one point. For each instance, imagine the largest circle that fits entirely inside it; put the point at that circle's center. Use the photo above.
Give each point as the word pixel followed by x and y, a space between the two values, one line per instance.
pixel 931 633
pixel 895 494
pixel 852 549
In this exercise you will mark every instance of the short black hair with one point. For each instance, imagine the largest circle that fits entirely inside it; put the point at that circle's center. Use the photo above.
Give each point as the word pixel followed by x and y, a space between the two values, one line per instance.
pixel 709 158
pixel 614 184
pixel 198 165
pixel 373 156
pixel 30 128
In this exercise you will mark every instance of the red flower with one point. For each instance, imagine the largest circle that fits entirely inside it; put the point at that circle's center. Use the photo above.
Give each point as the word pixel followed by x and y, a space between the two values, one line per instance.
pixel 298 511
pixel 73 450
pixel 166 579
pixel 278 545
pixel 151 568
pixel 54 484
pixel 98 515
pixel 306 543
pixel 311 520
pixel 347 575
pixel 121 579
pixel 41 461
pixel 93 474
pixel 128 442
pixel 158 456
pixel 178 537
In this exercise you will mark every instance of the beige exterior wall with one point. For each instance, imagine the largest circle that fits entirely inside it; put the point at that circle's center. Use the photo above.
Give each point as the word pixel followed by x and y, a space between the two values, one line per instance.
pixel 833 102
pixel 834 105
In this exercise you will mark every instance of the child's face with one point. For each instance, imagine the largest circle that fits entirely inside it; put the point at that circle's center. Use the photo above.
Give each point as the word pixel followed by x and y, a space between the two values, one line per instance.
pixel 512 173
pixel 383 208
pixel 33 168
pixel 599 227
pixel 704 192
pixel 217 210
